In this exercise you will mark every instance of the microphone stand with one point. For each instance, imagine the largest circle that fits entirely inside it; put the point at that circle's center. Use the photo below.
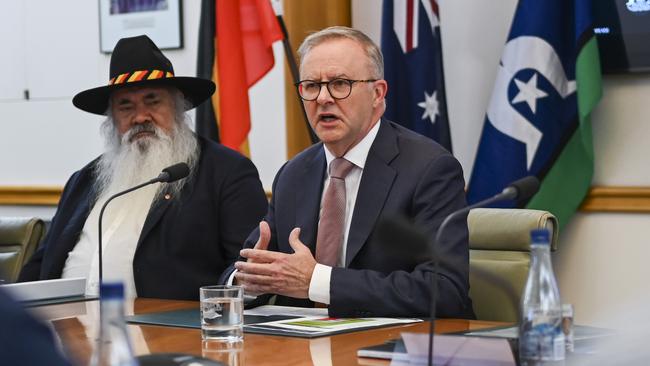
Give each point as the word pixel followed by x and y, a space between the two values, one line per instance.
pixel 508 193
pixel 170 174
pixel 101 215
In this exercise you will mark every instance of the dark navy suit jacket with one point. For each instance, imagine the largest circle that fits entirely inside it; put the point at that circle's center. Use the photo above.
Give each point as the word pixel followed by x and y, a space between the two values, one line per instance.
pixel 185 242
pixel 405 174
pixel 25 340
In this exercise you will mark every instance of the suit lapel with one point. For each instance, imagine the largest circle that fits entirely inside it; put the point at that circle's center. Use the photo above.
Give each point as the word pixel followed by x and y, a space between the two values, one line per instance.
pixel 164 200
pixel 309 189
pixel 376 182
pixel 68 237
pixel 158 208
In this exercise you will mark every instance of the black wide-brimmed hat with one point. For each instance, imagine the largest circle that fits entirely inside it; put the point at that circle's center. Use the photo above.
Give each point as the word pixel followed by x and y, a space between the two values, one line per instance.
pixel 137 61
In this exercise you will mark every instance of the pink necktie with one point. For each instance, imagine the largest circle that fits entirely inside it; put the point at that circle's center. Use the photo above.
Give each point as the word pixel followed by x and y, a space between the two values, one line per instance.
pixel 332 220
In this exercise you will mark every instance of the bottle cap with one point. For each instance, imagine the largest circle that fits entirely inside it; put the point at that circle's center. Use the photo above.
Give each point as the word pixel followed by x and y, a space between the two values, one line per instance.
pixel 539 236
pixel 111 290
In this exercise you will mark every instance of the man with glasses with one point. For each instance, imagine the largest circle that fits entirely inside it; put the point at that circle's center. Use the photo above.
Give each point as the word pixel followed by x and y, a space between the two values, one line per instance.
pixel 318 241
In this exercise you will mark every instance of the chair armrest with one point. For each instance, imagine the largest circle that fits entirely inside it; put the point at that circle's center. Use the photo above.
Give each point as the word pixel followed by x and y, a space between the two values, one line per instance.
pixel 508 229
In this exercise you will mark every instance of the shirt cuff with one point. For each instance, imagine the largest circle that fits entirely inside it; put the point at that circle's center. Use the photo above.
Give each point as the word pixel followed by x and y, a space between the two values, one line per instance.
pixel 231 278
pixel 319 286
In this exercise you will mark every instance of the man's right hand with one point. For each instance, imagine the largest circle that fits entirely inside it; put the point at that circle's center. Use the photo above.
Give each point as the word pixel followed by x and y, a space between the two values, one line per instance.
pixel 261 244
pixel 265 237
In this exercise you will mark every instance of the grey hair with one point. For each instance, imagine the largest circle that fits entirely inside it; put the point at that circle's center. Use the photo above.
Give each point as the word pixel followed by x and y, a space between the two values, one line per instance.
pixel 339 32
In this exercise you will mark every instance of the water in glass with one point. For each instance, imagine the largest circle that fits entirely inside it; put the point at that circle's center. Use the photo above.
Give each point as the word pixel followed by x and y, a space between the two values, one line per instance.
pixel 221 318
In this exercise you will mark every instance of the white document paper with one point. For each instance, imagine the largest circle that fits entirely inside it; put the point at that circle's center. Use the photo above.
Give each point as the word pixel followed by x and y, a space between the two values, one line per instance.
pixel 458 350
pixel 324 325
pixel 268 310
pixel 580 332
pixel 47 289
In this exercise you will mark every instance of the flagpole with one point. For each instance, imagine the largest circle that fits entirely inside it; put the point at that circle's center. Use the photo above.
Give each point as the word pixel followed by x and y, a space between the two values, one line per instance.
pixel 443 100
pixel 291 60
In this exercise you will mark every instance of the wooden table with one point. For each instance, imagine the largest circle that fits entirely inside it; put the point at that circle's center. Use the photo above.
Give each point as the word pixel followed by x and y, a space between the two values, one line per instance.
pixel 76 325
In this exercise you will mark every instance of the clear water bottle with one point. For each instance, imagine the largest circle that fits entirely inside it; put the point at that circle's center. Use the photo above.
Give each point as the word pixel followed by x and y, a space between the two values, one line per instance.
pixel 540 331
pixel 113 347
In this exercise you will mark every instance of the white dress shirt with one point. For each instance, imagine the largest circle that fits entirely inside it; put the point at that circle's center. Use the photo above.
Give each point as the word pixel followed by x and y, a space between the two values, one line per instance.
pixel 319 287
pixel 122 225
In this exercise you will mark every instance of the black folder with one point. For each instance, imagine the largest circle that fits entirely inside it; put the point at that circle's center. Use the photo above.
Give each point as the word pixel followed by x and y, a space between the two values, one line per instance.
pixel 256 324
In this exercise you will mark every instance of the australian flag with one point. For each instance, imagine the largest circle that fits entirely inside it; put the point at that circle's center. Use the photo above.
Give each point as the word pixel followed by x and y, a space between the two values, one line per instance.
pixel 532 125
pixel 410 42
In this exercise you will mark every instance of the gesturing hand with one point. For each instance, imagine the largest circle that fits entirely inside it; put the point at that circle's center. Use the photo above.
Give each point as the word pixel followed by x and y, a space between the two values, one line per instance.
pixel 265 237
pixel 275 272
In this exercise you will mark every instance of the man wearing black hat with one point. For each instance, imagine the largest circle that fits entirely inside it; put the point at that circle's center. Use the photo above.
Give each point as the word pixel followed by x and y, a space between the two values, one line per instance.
pixel 163 241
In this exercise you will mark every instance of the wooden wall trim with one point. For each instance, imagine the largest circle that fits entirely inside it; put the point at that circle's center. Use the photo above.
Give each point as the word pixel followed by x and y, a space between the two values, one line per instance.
pixel 617 199
pixel 599 199
pixel 38 196
pixel 30 196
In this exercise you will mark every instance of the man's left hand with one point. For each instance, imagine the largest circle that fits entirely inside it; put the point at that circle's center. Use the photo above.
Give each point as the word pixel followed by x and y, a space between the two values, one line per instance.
pixel 275 272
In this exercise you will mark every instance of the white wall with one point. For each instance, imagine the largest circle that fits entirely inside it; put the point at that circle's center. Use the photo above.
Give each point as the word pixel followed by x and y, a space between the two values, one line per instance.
pixel 601 264
pixel 621 131
pixel 45 139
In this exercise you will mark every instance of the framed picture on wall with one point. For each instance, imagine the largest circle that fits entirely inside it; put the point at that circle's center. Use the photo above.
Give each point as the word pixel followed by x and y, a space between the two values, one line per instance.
pixel 161 20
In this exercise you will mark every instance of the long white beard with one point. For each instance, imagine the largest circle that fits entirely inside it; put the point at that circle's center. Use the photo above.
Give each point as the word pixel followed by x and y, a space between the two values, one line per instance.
pixel 128 163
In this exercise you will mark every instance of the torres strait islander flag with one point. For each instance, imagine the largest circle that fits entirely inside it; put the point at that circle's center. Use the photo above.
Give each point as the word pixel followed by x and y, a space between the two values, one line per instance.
pixel 411 44
pixel 537 122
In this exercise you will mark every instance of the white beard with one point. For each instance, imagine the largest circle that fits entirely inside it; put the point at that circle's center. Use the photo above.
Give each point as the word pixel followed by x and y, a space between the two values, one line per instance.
pixel 128 163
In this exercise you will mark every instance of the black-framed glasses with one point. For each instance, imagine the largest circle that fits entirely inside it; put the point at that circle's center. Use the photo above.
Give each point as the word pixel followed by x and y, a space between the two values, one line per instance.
pixel 338 88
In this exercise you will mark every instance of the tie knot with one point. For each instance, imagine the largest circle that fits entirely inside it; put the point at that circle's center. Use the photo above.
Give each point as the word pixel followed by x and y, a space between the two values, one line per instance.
pixel 339 168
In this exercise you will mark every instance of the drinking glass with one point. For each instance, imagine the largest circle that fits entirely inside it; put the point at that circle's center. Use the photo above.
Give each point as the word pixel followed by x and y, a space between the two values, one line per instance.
pixel 222 313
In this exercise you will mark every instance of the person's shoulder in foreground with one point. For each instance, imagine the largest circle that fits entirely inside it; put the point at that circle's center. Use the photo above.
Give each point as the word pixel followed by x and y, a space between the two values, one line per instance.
pixel 25 340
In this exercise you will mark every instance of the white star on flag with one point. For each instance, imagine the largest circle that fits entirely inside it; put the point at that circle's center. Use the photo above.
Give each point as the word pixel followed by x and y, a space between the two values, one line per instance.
pixel 529 93
pixel 430 106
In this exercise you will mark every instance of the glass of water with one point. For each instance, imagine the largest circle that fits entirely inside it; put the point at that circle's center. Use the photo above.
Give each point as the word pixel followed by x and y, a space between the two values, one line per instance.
pixel 222 313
